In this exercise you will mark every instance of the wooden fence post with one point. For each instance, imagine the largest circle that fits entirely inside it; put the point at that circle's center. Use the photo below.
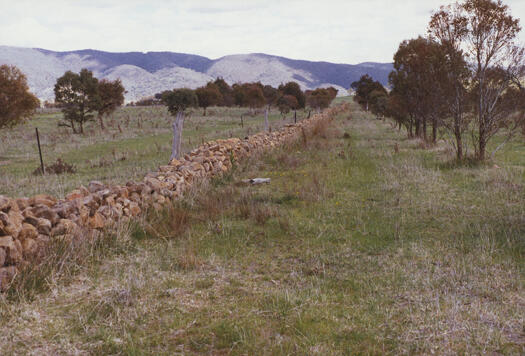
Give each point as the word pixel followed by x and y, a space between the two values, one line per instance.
pixel 177 135
pixel 266 123
pixel 40 151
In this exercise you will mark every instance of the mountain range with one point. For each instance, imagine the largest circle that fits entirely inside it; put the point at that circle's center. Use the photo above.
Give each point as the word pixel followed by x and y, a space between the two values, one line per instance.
pixel 144 74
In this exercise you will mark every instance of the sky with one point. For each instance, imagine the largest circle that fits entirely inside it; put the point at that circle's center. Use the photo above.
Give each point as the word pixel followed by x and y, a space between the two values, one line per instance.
pixel 340 31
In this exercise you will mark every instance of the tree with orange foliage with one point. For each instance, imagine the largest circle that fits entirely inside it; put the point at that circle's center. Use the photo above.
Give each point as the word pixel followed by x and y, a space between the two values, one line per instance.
pixel 16 102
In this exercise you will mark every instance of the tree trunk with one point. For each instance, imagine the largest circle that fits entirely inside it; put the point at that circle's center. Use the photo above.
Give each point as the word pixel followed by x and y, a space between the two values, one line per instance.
pixel 482 148
pixel 459 144
pixel 101 121
pixel 81 127
pixel 425 129
pixel 177 136
pixel 204 112
pixel 434 131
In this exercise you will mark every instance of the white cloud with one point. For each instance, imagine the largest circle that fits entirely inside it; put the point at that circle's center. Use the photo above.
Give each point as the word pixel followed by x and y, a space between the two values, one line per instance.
pixel 348 31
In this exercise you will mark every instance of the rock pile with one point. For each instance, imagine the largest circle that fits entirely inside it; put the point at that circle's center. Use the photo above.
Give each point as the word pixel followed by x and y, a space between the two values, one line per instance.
pixel 27 224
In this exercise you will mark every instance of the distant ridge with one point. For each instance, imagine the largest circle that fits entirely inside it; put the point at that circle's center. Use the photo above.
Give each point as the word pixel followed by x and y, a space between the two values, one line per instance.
pixel 144 74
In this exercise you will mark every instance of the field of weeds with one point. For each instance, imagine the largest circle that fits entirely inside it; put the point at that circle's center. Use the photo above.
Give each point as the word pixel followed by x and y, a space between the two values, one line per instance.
pixel 363 243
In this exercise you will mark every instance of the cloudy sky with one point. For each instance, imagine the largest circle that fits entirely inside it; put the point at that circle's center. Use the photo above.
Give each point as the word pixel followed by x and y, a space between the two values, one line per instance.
pixel 344 31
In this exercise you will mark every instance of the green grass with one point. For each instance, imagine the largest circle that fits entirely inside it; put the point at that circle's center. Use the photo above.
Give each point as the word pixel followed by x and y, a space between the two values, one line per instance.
pixel 352 249
pixel 113 155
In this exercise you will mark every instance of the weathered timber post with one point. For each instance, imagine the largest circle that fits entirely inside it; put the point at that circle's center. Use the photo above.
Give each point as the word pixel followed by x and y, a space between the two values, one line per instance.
pixel 40 151
pixel 266 123
pixel 177 135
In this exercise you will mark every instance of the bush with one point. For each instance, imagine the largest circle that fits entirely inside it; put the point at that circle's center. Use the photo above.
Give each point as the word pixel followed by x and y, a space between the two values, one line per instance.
pixel 59 167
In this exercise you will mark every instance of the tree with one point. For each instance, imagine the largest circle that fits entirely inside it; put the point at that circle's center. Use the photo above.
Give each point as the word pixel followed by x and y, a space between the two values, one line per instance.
pixel 320 98
pixel 239 94
pixel 253 95
pixel 363 87
pixel 111 97
pixel 271 95
pixel 79 97
pixel 418 65
pixel 496 58
pixel 448 27
pixel 293 89
pixel 379 103
pixel 226 92
pixel 178 101
pixel 16 102
pixel 208 96
pixel 287 103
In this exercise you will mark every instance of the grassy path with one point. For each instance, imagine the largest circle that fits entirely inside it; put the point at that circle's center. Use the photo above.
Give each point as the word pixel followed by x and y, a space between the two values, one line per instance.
pixel 353 248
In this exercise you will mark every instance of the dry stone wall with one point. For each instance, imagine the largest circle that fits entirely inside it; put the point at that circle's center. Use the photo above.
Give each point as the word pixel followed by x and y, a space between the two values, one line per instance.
pixel 28 224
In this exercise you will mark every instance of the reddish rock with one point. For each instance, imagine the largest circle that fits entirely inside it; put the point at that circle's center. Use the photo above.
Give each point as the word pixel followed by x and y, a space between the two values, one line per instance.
pixel 4 203
pixel 43 226
pixel 42 199
pixel 28 232
pixel 95 186
pixel 12 249
pixel 97 221
pixel 3 256
pixel 29 247
pixel 43 211
pixel 13 225
pixel 23 203
pixel 75 194
pixel 154 183
pixel 134 209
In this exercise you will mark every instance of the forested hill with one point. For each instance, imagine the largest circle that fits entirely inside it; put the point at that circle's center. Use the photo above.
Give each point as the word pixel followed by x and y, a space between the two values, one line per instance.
pixel 144 74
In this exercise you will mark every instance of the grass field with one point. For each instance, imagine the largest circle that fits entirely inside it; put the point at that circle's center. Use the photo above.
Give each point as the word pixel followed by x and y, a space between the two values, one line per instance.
pixel 355 247
pixel 137 140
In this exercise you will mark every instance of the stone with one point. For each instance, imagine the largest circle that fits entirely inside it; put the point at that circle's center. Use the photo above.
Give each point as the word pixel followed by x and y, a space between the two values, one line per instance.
pixel 28 232
pixel 4 202
pixel 43 226
pixel 90 203
pixel 84 214
pixel 97 221
pixel 175 162
pixel 134 209
pixel 29 247
pixel 154 183
pixel 123 192
pixel 75 194
pixel 23 203
pixel 42 199
pixel 12 248
pixel 14 223
pixel 65 226
pixel 159 198
pixel 43 211
pixel 65 209
pixel 95 186
pixel 107 211
pixel 3 257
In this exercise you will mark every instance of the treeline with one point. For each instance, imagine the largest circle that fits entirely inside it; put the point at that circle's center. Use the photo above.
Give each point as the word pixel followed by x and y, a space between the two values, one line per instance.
pixel 83 98
pixel 286 97
pixel 464 78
